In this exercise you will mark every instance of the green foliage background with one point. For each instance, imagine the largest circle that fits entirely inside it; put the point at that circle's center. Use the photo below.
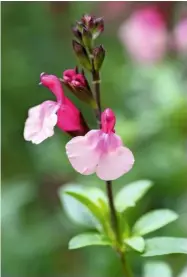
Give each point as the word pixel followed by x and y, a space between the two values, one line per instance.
pixel 150 103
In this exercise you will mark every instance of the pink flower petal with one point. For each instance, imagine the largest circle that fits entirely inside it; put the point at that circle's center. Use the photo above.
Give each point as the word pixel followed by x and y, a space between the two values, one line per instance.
pixel 114 164
pixel 53 84
pixel 40 122
pixel 82 152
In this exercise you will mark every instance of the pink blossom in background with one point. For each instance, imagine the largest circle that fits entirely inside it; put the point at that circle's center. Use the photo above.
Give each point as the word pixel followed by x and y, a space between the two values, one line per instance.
pixel 100 151
pixel 144 35
pixel 62 112
pixel 180 36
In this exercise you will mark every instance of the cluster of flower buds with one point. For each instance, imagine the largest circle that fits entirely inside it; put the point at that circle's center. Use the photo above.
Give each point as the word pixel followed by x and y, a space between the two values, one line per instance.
pixel 85 32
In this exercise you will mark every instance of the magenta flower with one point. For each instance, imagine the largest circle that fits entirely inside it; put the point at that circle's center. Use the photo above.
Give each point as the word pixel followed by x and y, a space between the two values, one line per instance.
pixel 144 35
pixel 180 36
pixel 62 112
pixel 100 151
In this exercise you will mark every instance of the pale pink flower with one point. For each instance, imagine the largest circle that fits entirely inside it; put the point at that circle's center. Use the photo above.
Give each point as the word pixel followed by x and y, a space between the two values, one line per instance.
pixel 144 35
pixel 100 151
pixel 180 36
pixel 40 122
pixel 62 112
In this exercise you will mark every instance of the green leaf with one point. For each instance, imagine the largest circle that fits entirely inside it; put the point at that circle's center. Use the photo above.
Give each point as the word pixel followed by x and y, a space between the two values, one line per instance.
pixel 74 209
pixel 88 239
pixel 153 221
pixel 98 197
pixel 95 195
pixel 156 269
pixel 136 243
pixel 183 273
pixel 94 209
pixel 130 194
pixel 164 245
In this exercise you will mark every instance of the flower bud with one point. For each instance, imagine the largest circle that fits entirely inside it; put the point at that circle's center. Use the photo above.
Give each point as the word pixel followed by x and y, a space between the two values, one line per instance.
pixel 78 85
pixel 82 55
pixel 68 75
pixel 87 38
pixel 77 33
pixel 108 121
pixel 98 27
pixel 88 21
pixel 79 25
pixel 99 55
pixel 78 80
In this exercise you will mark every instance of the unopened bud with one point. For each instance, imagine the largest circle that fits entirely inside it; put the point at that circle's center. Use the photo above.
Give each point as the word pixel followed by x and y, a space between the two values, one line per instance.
pixel 82 55
pixel 79 86
pixel 78 80
pixel 87 38
pixel 68 75
pixel 77 33
pixel 79 25
pixel 108 120
pixel 99 55
pixel 88 21
pixel 98 27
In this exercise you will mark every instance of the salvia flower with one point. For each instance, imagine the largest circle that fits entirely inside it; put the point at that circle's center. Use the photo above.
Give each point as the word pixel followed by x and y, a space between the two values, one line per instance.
pixel 100 151
pixel 62 112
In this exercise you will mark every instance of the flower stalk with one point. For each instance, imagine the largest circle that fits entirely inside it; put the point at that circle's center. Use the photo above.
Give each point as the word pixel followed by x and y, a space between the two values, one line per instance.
pixel 96 84
pixel 113 214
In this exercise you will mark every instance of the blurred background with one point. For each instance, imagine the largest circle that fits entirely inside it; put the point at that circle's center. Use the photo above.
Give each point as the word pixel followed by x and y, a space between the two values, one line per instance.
pixel 144 80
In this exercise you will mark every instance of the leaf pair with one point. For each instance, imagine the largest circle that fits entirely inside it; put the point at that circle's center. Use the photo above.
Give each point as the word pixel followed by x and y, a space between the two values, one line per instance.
pixel 153 247
pixel 88 206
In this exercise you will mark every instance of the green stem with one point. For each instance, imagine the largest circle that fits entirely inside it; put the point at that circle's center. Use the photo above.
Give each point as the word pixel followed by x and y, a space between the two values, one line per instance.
pixel 126 268
pixel 96 84
pixel 113 214
pixel 115 226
